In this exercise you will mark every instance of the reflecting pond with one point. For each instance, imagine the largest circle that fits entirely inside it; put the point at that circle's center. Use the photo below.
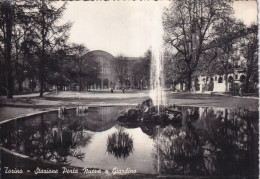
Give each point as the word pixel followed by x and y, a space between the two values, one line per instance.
pixel 208 141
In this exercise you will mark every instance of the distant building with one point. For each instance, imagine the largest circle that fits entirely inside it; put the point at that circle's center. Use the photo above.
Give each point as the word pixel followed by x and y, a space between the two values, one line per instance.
pixel 106 80
pixel 217 83
pixel 108 77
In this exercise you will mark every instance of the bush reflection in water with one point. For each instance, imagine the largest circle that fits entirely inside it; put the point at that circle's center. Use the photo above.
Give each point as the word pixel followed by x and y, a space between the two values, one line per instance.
pixel 219 142
pixel 120 144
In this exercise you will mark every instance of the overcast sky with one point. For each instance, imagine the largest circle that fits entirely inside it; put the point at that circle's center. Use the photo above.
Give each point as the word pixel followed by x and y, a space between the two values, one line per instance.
pixel 125 27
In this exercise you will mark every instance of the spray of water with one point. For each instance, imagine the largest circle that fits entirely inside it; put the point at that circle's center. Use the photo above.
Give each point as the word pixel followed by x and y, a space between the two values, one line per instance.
pixel 157 93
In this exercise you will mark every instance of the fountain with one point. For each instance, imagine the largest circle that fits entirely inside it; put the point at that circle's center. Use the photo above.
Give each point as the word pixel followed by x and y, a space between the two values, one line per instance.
pixel 157 93
pixel 154 109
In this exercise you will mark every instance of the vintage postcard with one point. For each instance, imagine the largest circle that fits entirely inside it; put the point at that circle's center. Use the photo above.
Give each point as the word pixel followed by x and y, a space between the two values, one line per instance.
pixel 129 89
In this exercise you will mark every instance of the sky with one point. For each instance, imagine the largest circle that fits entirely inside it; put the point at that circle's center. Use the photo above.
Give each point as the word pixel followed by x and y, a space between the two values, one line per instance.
pixel 126 27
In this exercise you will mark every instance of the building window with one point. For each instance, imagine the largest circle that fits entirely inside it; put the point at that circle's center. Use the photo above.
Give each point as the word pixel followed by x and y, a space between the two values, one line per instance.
pixel 242 78
pixel 230 79
pixel 216 78
pixel 220 80
pixel 236 77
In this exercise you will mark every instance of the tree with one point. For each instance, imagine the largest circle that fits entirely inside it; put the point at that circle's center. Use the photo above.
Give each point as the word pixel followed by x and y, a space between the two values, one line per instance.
pixel 23 28
pixel 121 69
pixel 226 52
pixel 58 68
pixel 146 63
pixel 141 71
pixel 82 69
pixel 2 75
pixel 174 72
pixel 49 34
pixel 92 70
pixel 138 75
pixel 189 28
pixel 28 60
pixel 16 21
pixel 249 50
pixel 7 16
pixel 77 72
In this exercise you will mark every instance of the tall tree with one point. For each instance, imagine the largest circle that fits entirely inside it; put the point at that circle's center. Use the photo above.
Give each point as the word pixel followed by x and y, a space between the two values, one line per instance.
pixel 23 26
pixel 140 72
pixel 189 27
pixel 227 51
pixel 58 68
pixel 6 26
pixel 121 69
pixel 77 71
pixel 146 63
pixel 49 33
pixel 16 21
pixel 82 69
pixel 2 75
pixel 249 50
pixel 174 72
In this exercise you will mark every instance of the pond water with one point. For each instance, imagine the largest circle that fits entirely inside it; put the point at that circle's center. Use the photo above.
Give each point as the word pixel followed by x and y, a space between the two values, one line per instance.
pixel 208 141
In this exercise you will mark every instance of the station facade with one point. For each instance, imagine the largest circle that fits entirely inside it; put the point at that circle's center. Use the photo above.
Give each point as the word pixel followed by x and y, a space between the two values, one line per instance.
pixel 108 78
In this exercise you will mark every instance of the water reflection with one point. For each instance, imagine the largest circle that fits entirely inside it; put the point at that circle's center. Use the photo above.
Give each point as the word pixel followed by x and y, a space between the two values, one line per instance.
pixel 208 141
pixel 220 142
pixel 47 137
pixel 56 137
pixel 82 110
pixel 120 144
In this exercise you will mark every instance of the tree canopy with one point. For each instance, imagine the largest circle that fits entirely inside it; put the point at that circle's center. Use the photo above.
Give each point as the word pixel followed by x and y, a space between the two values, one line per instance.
pixel 190 29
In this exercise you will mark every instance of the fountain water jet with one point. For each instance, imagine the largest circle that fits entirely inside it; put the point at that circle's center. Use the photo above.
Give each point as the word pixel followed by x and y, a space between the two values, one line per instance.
pixel 154 109
pixel 157 93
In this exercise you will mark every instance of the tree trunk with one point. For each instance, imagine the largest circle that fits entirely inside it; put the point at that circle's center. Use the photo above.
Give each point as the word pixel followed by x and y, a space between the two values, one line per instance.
pixel 181 86
pixel 80 84
pixel 121 84
pixel 42 70
pixel 189 82
pixel 226 81
pixel 247 80
pixel 174 86
pixel 20 89
pixel 249 66
pixel 9 77
pixel 43 53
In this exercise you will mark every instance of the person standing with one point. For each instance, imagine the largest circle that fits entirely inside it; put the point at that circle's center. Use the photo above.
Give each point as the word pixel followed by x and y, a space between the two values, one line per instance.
pixel 241 91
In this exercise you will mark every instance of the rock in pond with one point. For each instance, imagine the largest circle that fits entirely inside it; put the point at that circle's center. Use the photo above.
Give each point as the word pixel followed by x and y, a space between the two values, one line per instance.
pixel 146 111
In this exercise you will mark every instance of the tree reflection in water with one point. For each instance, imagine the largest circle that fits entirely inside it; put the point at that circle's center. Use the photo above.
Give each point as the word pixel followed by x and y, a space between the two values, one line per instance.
pixel 220 142
pixel 46 137
pixel 209 141
pixel 120 144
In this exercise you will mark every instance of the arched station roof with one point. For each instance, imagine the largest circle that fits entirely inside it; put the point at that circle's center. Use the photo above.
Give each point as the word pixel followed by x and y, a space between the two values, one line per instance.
pixel 99 53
